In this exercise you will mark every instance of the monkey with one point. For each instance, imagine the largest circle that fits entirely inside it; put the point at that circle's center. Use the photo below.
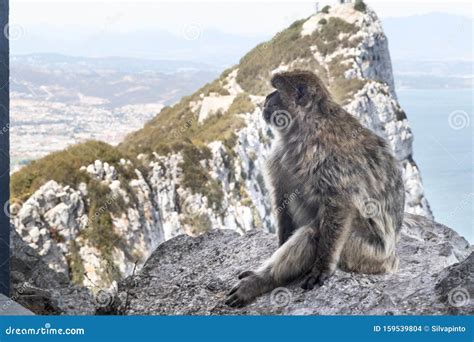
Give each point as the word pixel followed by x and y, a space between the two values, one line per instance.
pixel 350 204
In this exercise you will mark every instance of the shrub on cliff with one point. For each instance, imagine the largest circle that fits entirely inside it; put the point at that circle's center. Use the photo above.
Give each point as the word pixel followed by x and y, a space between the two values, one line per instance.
pixel 326 9
pixel 360 6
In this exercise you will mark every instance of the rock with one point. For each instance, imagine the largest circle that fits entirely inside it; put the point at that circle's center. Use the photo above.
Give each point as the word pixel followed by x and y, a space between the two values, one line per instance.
pixel 101 171
pixel 52 221
pixel 42 290
pixel 48 220
pixel 191 276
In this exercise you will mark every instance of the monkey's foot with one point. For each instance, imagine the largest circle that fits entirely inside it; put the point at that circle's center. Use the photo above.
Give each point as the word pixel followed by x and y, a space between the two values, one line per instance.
pixel 315 278
pixel 249 287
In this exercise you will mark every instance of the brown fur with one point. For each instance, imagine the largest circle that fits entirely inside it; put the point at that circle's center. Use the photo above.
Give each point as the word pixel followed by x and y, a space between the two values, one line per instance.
pixel 349 207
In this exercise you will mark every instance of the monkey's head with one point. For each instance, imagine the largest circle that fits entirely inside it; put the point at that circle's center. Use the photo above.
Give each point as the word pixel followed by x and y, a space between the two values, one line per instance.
pixel 297 95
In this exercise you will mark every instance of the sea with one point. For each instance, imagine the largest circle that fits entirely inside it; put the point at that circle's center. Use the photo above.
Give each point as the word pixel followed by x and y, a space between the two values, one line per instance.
pixel 443 124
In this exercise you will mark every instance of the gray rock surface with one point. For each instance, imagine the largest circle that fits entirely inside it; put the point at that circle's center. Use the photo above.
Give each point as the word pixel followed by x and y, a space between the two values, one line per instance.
pixel 191 276
pixel 42 290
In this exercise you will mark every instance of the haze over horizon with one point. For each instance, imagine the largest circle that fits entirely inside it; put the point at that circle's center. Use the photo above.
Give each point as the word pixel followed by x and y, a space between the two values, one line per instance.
pixel 219 33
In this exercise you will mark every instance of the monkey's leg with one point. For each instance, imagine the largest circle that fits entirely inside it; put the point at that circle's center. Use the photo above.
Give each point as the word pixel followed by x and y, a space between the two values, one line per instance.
pixel 331 239
pixel 291 260
pixel 369 249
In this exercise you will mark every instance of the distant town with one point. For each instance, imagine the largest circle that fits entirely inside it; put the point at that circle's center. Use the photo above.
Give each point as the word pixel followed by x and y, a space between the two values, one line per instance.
pixel 58 103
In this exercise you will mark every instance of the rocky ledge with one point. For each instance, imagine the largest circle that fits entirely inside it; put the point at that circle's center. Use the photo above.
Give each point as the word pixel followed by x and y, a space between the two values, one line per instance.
pixel 191 276
pixel 42 290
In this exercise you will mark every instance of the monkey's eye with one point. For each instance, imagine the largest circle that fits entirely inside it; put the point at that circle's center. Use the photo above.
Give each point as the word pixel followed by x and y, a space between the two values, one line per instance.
pixel 301 91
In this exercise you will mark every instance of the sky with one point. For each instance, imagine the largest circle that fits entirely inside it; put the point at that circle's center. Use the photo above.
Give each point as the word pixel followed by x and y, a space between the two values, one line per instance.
pixel 249 18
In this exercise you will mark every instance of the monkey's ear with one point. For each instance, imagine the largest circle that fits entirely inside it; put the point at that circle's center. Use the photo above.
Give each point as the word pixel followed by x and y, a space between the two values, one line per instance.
pixel 280 82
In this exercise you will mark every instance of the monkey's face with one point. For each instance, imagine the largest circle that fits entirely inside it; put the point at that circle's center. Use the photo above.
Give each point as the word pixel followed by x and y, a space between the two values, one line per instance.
pixel 280 111
pixel 273 105
pixel 297 94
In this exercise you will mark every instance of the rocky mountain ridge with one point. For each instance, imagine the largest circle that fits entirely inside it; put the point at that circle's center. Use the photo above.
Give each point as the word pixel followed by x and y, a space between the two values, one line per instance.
pixel 200 164
pixel 191 276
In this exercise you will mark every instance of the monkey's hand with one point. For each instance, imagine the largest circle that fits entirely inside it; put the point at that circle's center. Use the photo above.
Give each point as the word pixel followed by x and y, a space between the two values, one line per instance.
pixel 316 277
pixel 250 286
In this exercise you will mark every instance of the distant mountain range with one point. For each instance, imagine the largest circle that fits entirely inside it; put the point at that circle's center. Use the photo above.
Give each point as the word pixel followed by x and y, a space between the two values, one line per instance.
pixel 433 36
pixel 433 74
pixel 210 47
pixel 143 81
pixel 82 64
pixel 429 51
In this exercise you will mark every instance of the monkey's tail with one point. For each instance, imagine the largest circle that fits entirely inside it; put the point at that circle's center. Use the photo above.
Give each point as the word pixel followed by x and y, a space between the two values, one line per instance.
pixel 294 258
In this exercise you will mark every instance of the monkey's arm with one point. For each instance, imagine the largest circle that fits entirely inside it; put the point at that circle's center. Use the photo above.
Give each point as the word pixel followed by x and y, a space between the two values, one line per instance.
pixel 293 259
pixel 286 225
pixel 330 239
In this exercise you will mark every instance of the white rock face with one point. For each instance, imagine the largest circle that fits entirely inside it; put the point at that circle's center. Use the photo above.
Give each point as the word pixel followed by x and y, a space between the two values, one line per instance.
pixel 54 218
pixel 49 220
pixel 211 105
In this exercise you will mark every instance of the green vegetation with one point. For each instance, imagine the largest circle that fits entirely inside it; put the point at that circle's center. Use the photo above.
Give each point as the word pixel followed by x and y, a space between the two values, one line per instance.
pixel 216 87
pixel 360 6
pixel 342 88
pixel 76 266
pixel 195 176
pixel 63 167
pixel 178 124
pixel 241 104
pixel 326 9
pixel 323 21
pixel 326 38
pixel 199 224
pixel 289 46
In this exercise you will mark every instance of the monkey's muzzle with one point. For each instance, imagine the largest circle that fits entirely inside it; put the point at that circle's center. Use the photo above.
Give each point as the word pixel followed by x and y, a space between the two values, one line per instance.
pixel 271 105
